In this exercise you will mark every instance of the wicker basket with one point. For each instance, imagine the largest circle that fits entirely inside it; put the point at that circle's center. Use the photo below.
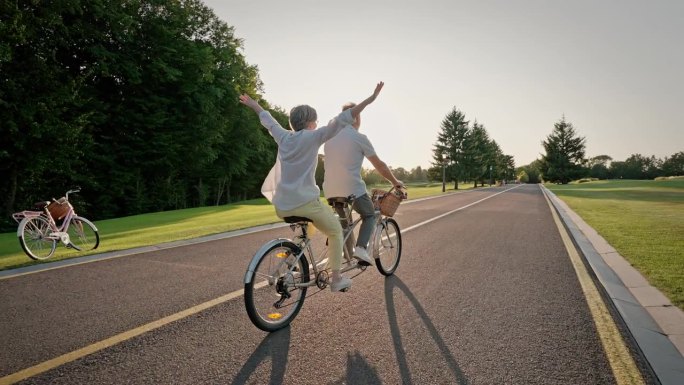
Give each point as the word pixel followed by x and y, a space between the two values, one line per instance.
pixel 386 201
pixel 58 209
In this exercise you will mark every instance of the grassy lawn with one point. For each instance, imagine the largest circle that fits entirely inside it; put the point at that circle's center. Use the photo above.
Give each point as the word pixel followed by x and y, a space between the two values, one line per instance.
pixel 152 229
pixel 642 220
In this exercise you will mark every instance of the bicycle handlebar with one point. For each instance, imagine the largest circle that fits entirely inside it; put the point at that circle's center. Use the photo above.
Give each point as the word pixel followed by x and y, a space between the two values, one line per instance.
pixel 72 191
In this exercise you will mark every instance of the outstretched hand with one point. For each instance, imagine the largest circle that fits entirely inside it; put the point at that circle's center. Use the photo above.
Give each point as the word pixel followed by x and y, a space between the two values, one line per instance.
pixel 378 88
pixel 356 110
pixel 251 103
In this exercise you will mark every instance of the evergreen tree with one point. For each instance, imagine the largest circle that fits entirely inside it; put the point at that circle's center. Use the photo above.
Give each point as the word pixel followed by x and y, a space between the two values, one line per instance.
pixel 449 150
pixel 564 158
pixel 479 155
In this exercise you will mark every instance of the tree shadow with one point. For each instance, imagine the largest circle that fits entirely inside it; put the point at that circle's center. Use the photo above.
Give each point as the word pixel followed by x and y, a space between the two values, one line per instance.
pixel 391 283
pixel 275 346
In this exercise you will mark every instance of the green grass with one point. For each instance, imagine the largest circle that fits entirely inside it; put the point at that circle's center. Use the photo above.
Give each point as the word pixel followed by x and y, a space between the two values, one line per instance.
pixel 642 220
pixel 152 229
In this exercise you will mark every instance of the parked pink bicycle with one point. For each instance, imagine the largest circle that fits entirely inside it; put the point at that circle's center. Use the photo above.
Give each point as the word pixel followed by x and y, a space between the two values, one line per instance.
pixel 39 231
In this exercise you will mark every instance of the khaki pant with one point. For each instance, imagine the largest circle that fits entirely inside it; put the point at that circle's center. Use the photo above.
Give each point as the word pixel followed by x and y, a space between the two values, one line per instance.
pixel 324 220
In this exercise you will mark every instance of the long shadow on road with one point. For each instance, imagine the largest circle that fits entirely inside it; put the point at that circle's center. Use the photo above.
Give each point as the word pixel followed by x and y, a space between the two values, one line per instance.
pixel 392 283
pixel 275 346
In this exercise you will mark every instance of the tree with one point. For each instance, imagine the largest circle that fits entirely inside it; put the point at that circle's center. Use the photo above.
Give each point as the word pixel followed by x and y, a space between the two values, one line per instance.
pixel 637 166
pixel 479 154
pixel 532 171
pixel 449 150
pixel 674 165
pixel 43 124
pixel 417 175
pixel 564 158
pixel 619 170
pixel 143 94
pixel 599 166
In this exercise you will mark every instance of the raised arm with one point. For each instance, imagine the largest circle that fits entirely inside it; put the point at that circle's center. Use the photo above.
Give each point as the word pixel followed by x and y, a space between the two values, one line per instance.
pixel 251 103
pixel 356 110
pixel 272 125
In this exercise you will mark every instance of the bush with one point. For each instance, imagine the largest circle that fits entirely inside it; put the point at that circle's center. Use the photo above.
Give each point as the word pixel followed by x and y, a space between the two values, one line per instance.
pixel 585 180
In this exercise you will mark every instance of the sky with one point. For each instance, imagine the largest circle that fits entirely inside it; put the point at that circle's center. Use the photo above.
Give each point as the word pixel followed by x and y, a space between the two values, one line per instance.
pixel 612 68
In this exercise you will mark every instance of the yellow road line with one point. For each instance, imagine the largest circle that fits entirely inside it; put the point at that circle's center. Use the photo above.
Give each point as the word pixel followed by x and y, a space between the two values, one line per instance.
pixel 90 349
pixel 621 361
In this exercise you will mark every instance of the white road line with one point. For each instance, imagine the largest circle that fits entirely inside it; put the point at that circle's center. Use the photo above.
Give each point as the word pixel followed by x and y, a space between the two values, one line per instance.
pixel 406 230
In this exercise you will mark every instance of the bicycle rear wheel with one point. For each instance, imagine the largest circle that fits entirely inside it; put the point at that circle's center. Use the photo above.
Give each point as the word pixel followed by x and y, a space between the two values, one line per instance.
pixel 388 247
pixel 83 234
pixel 34 238
pixel 271 299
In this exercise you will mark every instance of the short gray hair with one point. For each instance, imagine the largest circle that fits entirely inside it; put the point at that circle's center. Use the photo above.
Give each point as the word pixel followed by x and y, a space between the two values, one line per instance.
pixel 301 116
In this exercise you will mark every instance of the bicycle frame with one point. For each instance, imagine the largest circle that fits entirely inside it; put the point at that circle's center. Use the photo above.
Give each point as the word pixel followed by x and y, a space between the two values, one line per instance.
pixel 303 242
pixel 288 267
pixel 59 233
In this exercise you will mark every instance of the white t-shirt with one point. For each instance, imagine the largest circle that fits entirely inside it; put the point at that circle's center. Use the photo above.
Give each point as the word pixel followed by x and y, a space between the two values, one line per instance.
pixel 291 182
pixel 344 156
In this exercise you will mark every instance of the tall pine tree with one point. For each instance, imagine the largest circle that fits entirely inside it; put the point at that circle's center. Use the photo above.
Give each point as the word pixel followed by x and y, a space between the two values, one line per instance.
pixel 450 150
pixel 564 158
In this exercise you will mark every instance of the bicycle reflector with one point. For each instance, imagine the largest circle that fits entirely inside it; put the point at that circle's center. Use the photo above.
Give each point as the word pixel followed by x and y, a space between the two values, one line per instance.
pixel 275 316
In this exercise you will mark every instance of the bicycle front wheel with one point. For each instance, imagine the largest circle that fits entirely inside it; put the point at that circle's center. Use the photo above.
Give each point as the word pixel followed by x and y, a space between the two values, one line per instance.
pixel 271 298
pixel 34 237
pixel 388 247
pixel 83 234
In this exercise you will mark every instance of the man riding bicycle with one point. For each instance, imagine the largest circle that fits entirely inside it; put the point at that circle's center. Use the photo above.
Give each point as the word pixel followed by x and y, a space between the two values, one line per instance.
pixel 344 156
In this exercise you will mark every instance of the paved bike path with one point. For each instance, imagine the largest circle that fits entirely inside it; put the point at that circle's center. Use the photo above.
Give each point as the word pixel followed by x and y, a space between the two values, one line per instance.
pixel 652 360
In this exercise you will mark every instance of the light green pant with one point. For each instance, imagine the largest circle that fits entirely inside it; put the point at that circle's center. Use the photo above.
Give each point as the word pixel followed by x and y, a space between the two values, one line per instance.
pixel 324 220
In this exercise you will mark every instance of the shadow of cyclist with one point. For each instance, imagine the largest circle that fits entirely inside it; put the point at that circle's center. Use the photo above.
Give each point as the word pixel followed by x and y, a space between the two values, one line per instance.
pixel 358 372
pixel 391 283
pixel 275 346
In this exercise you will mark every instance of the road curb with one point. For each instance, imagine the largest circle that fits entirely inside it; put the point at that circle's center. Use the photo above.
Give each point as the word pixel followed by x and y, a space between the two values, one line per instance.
pixel 661 353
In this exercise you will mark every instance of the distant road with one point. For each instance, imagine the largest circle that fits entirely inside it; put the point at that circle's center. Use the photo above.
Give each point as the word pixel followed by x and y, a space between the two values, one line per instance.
pixel 485 294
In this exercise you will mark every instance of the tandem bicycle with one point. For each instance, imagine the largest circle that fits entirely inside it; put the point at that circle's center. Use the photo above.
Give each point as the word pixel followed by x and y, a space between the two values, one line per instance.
pixel 282 270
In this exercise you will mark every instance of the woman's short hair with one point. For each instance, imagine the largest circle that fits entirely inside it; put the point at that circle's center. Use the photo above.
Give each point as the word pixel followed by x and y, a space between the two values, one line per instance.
pixel 301 116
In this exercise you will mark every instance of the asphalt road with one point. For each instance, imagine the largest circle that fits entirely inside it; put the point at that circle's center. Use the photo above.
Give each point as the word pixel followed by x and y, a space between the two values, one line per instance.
pixel 484 295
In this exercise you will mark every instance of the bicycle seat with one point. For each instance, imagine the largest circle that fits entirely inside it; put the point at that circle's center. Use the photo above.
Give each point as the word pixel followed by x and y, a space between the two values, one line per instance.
pixel 41 205
pixel 296 219
pixel 333 200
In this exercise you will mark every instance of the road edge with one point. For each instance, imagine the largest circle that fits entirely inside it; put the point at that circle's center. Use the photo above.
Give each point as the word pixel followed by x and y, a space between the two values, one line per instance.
pixel 660 353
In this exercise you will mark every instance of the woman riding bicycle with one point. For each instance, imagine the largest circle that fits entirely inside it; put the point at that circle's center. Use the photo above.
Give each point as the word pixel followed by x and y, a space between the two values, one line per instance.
pixel 291 185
